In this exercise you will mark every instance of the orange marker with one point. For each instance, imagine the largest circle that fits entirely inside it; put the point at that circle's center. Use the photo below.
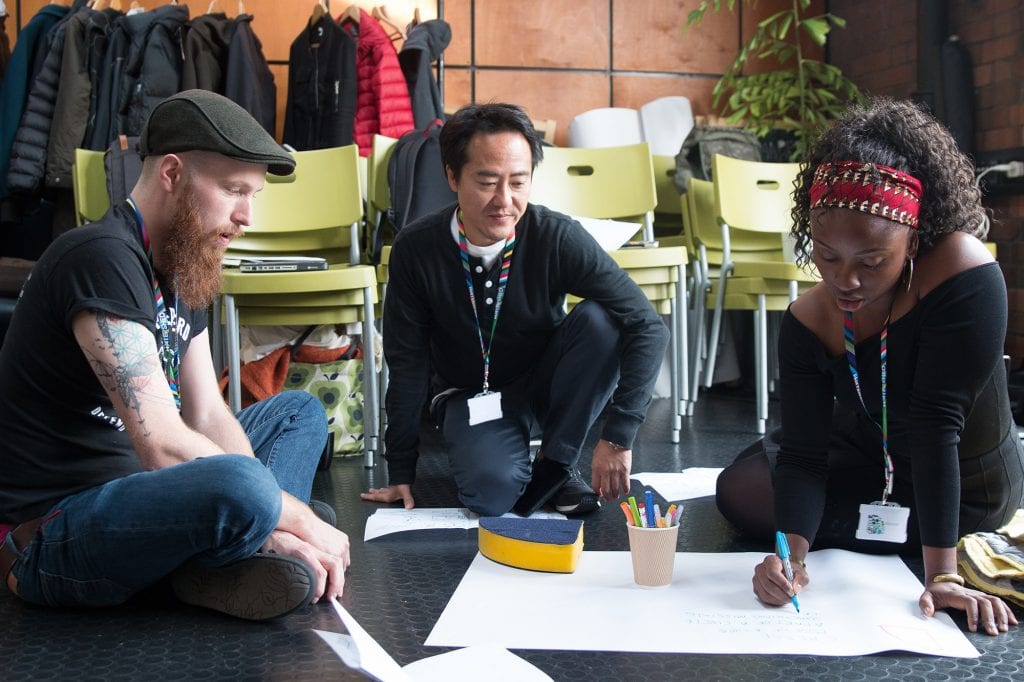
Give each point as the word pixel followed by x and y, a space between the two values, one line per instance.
pixel 629 514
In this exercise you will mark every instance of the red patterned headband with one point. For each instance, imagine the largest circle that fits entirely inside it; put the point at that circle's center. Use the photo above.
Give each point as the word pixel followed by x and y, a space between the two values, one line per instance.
pixel 869 188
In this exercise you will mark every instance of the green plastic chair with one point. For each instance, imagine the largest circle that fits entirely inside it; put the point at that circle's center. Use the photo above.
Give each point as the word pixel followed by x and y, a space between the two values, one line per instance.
pixel 753 203
pixel 314 212
pixel 89 186
pixel 602 182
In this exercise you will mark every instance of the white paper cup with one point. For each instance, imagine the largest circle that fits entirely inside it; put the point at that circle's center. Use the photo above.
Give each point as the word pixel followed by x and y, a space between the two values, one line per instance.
pixel 653 551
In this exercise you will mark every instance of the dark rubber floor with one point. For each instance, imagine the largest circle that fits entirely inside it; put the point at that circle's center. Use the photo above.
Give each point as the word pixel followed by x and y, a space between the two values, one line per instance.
pixel 398 586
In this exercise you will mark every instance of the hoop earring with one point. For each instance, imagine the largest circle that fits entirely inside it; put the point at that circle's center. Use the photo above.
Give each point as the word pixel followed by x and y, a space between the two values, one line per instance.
pixel 908 273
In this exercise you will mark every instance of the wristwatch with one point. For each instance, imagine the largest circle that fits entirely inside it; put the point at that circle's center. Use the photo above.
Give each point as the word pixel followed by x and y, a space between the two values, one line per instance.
pixel 616 446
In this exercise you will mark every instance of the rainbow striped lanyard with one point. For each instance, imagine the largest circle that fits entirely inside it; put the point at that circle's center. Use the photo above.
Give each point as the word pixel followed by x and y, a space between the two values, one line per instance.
pixel 170 358
pixel 506 264
pixel 851 360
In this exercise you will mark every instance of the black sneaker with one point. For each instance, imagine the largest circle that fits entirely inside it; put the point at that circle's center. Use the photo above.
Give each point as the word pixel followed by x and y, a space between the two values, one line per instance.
pixel 576 497
pixel 262 587
pixel 548 477
pixel 324 512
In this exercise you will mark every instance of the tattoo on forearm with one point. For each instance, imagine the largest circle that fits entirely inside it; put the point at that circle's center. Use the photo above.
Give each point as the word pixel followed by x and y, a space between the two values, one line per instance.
pixel 132 370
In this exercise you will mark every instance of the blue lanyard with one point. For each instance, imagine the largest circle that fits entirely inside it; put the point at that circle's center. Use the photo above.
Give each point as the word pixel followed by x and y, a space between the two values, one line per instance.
pixel 170 358
pixel 506 264
pixel 851 360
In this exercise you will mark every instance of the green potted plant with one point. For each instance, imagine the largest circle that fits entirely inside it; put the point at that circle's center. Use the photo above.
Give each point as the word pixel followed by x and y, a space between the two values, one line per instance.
pixel 802 95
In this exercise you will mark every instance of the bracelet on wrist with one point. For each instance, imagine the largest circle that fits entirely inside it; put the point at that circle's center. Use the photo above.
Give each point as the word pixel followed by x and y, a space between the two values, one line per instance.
pixel 947 578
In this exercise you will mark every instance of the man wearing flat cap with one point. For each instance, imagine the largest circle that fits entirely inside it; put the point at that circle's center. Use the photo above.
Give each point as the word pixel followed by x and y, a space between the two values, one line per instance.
pixel 120 464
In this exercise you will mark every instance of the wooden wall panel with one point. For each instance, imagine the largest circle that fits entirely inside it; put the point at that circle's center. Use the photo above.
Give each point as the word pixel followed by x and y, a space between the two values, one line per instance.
pixel 458 88
pixel 541 33
pixel 459 15
pixel 280 72
pixel 647 35
pixel 556 57
pixel 557 95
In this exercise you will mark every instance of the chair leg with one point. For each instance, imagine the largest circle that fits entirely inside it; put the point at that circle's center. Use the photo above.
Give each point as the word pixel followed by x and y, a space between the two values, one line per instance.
pixel 369 382
pixel 682 348
pixel 216 337
pixel 673 366
pixel 761 363
pixel 699 344
pixel 233 351
pixel 716 330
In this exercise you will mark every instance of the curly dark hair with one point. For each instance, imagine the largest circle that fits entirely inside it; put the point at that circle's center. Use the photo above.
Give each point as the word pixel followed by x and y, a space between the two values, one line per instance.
pixel 899 134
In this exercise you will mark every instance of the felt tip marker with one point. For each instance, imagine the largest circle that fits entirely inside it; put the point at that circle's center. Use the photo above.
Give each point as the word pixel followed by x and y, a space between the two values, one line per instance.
pixel 782 547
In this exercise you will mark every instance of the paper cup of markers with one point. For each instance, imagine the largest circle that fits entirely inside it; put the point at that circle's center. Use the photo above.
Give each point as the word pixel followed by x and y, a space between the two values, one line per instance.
pixel 652 541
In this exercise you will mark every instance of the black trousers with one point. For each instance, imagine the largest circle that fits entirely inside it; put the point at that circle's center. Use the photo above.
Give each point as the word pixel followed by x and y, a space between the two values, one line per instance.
pixel 562 397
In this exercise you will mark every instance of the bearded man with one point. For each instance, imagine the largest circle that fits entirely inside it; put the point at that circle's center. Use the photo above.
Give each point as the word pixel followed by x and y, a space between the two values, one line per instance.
pixel 120 464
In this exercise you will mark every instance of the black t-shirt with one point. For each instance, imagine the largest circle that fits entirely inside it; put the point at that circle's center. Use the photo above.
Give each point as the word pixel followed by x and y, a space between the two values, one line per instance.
pixel 61 433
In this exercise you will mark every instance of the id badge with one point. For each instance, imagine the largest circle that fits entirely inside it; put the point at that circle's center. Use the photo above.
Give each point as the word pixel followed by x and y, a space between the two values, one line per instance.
pixel 484 407
pixel 883 522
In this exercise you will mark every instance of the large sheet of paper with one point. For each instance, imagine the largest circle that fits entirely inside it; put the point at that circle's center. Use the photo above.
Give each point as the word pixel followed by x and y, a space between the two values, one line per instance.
pixel 856 604
pixel 385 521
pixel 360 651
pixel 691 483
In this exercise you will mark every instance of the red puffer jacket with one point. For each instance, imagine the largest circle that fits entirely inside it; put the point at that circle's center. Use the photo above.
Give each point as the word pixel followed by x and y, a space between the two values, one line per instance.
pixel 382 102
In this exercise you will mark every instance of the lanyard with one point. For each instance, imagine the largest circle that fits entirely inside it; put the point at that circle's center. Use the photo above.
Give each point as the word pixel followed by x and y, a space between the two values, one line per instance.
pixel 851 359
pixel 169 356
pixel 506 264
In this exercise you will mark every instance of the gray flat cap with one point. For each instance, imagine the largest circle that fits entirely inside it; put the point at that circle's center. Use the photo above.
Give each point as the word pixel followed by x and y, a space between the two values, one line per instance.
pixel 200 120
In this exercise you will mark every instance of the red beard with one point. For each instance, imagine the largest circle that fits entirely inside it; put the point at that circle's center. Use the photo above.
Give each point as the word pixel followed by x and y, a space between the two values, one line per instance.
pixel 194 259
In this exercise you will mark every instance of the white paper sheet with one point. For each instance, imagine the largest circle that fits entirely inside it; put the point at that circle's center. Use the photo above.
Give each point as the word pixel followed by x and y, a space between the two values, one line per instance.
pixel 359 651
pixel 610 234
pixel 691 483
pixel 385 521
pixel 856 604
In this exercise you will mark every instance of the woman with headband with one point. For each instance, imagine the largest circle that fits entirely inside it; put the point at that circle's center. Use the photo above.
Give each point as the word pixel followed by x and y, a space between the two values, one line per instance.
pixel 896 430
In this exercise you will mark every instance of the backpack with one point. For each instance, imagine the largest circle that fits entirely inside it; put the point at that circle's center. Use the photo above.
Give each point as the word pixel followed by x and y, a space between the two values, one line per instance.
pixel 123 166
pixel 416 180
pixel 703 142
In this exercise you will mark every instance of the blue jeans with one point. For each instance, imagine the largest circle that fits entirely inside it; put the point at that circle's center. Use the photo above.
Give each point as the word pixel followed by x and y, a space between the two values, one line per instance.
pixel 102 545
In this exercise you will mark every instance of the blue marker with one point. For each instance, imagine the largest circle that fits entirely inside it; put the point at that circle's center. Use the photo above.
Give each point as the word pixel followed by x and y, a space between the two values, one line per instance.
pixel 782 546
pixel 649 498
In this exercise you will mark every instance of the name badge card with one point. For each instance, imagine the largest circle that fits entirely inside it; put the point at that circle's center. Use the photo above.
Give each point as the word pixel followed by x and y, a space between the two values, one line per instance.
pixel 484 407
pixel 884 522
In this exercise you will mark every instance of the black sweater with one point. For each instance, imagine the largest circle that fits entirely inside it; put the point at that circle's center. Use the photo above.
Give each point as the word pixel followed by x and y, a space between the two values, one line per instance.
pixel 428 321
pixel 947 403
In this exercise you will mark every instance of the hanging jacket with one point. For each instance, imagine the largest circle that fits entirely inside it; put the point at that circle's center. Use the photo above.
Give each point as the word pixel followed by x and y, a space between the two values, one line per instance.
pixel 321 105
pixel 141 67
pixel 97 36
pixel 16 85
pixel 28 151
pixel 206 51
pixel 248 80
pixel 153 67
pixel 5 47
pixel 424 45
pixel 70 109
pixel 382 102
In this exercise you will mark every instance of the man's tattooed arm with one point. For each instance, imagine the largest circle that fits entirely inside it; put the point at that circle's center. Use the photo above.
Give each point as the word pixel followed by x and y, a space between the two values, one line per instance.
pixel 124 357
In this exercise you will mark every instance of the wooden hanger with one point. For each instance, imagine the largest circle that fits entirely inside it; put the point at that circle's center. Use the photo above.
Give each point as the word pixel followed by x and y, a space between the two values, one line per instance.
pixel 213 5
pixel 416 17
pixel 241 7
pixel 319 12
pixel 351 13
pixel 381 15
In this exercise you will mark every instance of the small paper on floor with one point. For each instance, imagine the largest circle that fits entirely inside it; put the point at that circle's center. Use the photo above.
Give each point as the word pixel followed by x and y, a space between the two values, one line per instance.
pixel 389 520
pixel 689 484
pixel 359 651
